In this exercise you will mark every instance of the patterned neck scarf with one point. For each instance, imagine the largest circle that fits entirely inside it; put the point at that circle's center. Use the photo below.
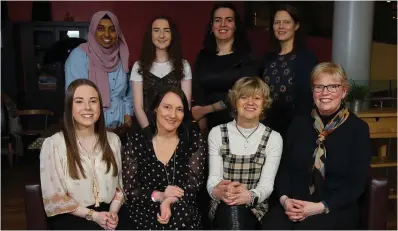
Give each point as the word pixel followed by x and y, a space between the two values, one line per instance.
pixel 318 169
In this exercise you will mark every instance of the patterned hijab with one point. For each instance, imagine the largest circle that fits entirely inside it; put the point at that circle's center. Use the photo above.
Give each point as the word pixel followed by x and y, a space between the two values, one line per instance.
pixel 102 60
pixel 318 169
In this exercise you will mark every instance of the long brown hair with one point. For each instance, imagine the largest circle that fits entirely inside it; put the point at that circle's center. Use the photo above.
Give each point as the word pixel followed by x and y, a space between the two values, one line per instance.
pixel 148 52
pixel 69 131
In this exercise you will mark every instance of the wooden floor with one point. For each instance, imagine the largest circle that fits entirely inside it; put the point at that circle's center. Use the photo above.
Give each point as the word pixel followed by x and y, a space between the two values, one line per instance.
pixel 12 191
pixel 27 170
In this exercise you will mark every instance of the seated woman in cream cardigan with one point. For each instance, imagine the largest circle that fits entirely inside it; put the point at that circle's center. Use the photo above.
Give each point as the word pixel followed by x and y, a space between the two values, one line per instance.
pixel 80 167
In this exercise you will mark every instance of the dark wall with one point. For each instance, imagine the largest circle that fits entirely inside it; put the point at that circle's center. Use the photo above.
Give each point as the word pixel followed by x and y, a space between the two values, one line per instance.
pixel 8 65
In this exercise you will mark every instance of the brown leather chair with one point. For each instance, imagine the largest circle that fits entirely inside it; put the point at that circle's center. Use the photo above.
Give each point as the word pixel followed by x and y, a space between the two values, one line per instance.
pixel 374 204
pixel 36 218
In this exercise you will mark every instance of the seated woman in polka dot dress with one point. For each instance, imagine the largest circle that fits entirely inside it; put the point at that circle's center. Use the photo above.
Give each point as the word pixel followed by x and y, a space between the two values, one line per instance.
pixel 162 174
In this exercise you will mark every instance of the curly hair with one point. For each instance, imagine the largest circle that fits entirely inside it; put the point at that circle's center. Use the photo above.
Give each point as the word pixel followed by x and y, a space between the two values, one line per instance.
pixel 148 51
pixel 241 43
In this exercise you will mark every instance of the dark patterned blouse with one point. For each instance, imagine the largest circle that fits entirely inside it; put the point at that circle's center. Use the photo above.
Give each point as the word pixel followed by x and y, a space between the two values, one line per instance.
pixel 280 76
pixel 143 173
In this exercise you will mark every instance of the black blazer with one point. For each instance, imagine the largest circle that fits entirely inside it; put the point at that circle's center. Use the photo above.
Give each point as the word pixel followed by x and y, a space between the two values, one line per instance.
pixel 348 154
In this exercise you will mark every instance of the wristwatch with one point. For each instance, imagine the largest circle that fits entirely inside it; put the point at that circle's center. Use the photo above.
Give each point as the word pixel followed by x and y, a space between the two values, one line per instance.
pixel 223 105
pixel 326 209
pixel 253 200
pixel 89 215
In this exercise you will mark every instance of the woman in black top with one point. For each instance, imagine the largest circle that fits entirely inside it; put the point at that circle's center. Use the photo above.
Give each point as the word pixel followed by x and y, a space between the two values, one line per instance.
pixel 225 58
pixel 287 70
pixel 162 173
pixel 325 161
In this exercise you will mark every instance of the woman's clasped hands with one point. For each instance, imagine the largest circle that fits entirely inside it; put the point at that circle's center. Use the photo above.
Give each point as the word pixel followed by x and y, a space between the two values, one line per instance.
pixel 107 220
pixel 170 195
pixel 299 210
pixel 232 193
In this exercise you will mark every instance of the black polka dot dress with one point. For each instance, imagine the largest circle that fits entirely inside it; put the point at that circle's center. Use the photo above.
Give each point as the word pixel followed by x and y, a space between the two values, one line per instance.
pixel 143 173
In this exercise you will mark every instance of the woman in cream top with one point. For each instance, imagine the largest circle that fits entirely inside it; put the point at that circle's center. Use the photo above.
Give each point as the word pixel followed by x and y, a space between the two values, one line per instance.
pixel 61 193
pixel 80 167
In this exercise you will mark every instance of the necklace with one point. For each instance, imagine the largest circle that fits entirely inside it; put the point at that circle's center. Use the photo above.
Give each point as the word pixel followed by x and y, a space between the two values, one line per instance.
pixel 247 137
pixel 81 144
pixel 174 168
pixel 95 180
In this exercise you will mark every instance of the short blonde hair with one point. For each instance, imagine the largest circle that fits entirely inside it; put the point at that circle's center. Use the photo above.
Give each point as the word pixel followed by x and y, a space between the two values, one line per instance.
pixel 332 69
pixel 249 86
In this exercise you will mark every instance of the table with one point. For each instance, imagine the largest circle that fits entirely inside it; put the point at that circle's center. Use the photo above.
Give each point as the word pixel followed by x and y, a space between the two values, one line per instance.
pixel 51 130
pixel 382 124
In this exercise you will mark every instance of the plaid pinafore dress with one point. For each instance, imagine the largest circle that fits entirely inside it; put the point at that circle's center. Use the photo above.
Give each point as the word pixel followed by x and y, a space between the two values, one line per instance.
pixel 245 169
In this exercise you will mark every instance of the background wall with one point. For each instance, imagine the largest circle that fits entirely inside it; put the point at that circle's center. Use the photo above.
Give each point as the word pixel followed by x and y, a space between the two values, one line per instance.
pixel 191 19
pixel 384 62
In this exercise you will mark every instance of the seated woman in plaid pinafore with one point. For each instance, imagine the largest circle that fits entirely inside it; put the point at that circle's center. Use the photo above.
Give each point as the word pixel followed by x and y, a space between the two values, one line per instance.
pixel 244 158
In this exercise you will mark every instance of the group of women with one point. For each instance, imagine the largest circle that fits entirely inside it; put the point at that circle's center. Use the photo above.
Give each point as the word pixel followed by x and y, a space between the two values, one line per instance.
pixel 256 137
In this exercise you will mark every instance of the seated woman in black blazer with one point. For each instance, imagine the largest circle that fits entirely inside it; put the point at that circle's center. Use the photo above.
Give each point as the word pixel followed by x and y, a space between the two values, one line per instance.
pixel 325 163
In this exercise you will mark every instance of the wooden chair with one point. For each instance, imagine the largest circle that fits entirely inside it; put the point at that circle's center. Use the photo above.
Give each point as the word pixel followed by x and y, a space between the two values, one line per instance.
pixel 7 139
pixel 10 142
pixel 34 112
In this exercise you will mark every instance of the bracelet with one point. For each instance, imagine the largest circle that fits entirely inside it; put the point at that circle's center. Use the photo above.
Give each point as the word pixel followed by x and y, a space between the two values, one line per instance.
pixel 153 196
pixel 213 107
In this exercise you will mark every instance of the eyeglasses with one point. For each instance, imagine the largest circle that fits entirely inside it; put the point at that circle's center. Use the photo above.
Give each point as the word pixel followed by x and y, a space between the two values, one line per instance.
pixel 331 88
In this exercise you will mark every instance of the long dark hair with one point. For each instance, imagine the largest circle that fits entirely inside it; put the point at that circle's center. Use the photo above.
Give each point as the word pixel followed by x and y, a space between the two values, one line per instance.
pixel 184 130
pixel 72 150
pixel 148 51
pixel 241 43
pixel 298 35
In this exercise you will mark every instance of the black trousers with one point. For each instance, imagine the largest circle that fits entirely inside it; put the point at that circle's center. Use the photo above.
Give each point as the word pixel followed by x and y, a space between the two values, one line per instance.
pixel 70 222
pixel 347 218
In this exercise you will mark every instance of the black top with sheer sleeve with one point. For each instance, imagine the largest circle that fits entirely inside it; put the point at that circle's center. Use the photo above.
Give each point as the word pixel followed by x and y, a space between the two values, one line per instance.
pixel 143 173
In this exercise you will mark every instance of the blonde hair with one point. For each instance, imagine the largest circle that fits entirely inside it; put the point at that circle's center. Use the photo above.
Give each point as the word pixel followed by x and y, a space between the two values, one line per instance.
pixel 249 86
pixel 336 71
